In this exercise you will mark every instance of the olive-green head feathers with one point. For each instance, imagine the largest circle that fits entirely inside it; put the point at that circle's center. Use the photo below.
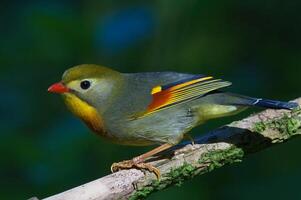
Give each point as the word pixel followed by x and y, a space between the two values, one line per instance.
pixel 94 85
pixel 91 83
pixel 87 71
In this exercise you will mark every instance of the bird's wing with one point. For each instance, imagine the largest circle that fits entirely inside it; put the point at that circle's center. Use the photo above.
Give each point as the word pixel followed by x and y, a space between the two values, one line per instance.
pixel 182 91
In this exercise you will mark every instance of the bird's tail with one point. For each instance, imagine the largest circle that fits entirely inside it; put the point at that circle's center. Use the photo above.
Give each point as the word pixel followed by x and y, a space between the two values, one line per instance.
pixel 265 103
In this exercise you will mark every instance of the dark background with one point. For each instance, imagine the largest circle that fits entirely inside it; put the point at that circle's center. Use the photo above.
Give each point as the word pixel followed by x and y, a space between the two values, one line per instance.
pixel 45 150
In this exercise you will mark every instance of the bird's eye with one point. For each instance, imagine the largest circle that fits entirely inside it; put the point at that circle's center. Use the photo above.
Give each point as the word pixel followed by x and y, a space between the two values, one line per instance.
pixel 85 85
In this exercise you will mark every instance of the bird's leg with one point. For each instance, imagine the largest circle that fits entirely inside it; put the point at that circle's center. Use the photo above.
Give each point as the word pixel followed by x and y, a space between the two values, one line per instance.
pixel 139 161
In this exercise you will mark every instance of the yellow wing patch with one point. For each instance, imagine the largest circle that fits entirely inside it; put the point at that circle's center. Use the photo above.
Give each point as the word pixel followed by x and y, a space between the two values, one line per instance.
pixel 156 89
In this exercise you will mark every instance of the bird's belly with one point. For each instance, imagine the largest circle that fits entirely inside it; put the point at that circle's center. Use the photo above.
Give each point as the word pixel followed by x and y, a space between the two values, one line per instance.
pixel 165 127
pixel 130 141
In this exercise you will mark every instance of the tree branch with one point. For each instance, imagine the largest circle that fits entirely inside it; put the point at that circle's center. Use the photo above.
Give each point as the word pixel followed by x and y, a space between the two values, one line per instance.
pixel 226 145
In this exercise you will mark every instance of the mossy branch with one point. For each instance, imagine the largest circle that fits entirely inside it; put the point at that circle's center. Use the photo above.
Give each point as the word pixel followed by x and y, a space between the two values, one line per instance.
pixel 226 145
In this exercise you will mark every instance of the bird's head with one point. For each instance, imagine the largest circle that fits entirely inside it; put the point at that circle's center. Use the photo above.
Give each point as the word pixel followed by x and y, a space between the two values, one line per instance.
pixel 88 88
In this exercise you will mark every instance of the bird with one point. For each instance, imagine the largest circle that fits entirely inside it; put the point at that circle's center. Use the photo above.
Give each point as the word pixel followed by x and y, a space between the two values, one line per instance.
pixel 149 108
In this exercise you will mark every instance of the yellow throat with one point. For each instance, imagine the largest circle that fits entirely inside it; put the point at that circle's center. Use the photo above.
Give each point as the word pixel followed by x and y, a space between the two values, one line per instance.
pixel 85 112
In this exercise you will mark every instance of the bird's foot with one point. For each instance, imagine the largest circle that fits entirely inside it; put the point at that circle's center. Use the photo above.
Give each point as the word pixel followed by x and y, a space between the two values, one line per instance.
pixel 128 164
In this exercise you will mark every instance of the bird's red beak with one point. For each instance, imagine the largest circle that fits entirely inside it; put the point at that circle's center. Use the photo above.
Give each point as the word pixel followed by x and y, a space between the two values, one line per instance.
pixel 58 88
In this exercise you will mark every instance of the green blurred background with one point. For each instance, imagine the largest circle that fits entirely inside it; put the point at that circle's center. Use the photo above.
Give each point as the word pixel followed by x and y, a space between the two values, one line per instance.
pixel 45 150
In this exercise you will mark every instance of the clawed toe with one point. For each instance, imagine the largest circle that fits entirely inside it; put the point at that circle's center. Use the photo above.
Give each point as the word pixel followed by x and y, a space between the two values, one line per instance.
pixel 150 168
pixel 128 164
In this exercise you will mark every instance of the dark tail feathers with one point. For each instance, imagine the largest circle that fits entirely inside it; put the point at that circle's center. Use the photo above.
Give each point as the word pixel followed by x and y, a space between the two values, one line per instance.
pixel 266 103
